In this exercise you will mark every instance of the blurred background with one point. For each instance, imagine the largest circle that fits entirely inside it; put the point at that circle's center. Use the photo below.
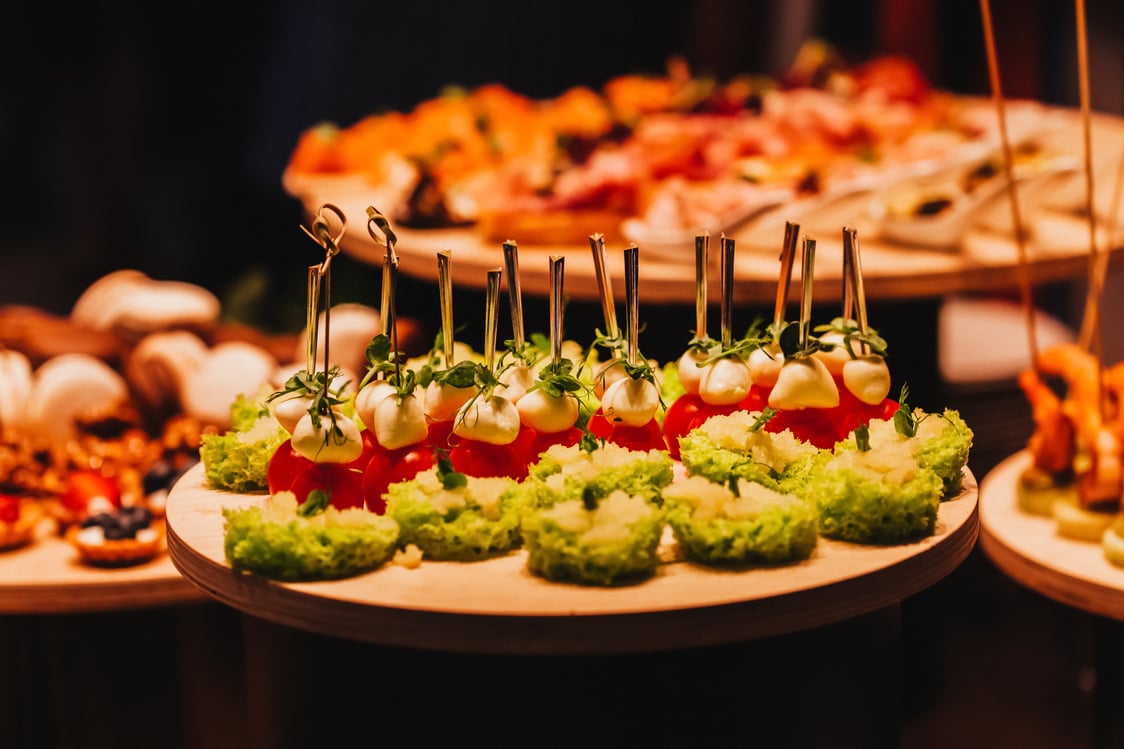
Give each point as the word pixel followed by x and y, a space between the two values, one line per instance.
pixel 130 140
pixel 155 139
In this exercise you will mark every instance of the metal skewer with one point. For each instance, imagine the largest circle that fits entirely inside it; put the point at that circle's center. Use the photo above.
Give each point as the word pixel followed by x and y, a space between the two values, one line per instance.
pixel 702 246
pixel 632 299
pixel 511 261
pixel 727 266
pixel 604 284
pixel 788 253
pixel 808 264
pixel 557 267
pixel 445 299
pixel 491 317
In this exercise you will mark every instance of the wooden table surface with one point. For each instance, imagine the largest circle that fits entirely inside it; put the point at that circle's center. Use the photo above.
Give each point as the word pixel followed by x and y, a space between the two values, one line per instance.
pixel 46 577
pixel 498 606
pixel 1030 550
pixel 986 259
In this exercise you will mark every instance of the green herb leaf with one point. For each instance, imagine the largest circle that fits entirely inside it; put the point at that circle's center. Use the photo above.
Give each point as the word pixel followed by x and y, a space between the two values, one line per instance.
pixel 317 501
pixel 449 477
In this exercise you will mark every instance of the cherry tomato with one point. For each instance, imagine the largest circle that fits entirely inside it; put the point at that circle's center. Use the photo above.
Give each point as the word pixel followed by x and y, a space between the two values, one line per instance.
pixel 647 437
pixel 284 466
pixel 343 485
pixel 391 466
pixel 599 426
pixel 755 400
pixel 543 440
pixel 441 434
pixel 85 485
pixel 677 421
pixel 476 458
pixel 9 508
pixel 815 425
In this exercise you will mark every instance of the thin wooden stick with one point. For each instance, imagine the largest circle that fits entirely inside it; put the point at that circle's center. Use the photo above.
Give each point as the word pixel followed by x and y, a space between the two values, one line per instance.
pixel 1012 191
pixel 1090 323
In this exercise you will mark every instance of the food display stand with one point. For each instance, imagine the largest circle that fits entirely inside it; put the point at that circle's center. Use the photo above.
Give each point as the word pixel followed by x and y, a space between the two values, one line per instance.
pixel 493 622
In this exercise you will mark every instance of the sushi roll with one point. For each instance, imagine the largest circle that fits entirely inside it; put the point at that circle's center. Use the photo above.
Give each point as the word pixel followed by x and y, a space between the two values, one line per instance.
pixel 589 541
pixel 732 446
pixel 312 541
pixel 740 523
pixel 453 516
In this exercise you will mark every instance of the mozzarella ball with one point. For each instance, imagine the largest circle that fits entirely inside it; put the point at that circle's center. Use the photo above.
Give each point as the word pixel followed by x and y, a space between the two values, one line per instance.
pixel 804 383
pixel 494 420
pixel 631 402
pixel 725 381
pixel 690 373
pixel 443 401
pixel 322 445
pixel 868 378
pixel 368 399
pixel 544 412
pixel 765 365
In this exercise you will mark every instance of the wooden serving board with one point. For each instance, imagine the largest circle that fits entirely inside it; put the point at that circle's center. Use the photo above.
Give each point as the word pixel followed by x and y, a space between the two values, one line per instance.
pixel 987 257
pixel 498 606
pixel 1029 549
pixel 46 577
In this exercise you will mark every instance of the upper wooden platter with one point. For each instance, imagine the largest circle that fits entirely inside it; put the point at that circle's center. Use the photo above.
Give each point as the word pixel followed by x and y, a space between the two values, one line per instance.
pixel 1029 548
pixel 497 606
pixel 46 577
pixel 986 259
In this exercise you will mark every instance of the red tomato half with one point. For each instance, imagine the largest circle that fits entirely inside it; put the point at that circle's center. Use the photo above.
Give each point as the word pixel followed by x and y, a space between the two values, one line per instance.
pixel 476 458
pixel 599 426
pixel 441 434
pixel 644 438
pixel 390 467
pixel 756 400
pixel 815 425
pixel 543 440
pixel 677 421
pixel 344 485
pixel 284 466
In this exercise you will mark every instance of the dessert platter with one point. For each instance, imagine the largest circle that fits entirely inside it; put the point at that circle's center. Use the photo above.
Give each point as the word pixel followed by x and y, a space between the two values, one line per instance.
pixel 656 160
pixel 103 409
pixel 519 500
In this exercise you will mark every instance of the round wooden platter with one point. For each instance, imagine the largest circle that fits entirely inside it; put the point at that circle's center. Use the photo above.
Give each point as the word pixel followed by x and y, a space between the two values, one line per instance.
pixel 46 576
pixel 498 606
pixel 987 257
pixel 1029 549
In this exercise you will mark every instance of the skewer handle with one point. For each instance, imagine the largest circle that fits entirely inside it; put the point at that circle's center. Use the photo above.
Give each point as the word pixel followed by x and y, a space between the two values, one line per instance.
pixel 604 284
pixel 491 317
pixel 445 298
pixel 727 266
pixel 788 253
pixel 557 268
pixel 632 296
pixel 702 244
pixel 807 269
pixel 511 262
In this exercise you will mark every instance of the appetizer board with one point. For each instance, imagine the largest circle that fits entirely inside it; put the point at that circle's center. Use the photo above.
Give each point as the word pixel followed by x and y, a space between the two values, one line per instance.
pixel 985 259
pixel 46 577
pixel 1029 548
pixel 498 606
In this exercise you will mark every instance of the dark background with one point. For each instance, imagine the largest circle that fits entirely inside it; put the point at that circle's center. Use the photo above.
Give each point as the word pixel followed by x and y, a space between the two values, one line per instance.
pixel 155 138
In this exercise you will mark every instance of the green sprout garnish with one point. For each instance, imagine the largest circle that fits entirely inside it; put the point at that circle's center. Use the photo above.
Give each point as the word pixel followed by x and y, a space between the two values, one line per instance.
pixel 449 477
pixel 317 502
pixel 862 438
pixel 904 423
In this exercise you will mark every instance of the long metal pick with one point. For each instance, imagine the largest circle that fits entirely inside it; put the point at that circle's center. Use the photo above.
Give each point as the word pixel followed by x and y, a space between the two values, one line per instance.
pixel 604 284
pixel 557 268
pixel 702 246
pixel 491 317
pixel 445 299
pixel 809 263
pixel 632 299
pixel 511 262
pixel 727 259
pixel 788 254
